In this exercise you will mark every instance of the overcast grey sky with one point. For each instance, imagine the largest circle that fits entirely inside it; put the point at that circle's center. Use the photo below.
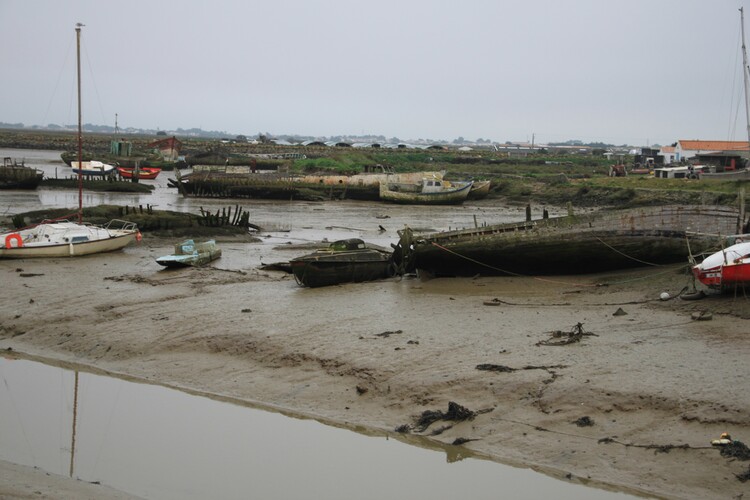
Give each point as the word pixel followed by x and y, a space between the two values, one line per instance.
pixel 618 71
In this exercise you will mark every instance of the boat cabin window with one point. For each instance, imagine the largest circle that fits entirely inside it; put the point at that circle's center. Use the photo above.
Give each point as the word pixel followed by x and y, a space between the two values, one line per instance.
pixel 350 244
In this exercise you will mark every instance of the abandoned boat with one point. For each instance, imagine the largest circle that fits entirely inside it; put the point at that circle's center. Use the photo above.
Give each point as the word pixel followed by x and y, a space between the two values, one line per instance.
pixel 428 192
pixel 261 181
pixel 727 268
pixel 479 190
pixel 344 261
pixel 604 241
pixel 15 174
pixel 189 253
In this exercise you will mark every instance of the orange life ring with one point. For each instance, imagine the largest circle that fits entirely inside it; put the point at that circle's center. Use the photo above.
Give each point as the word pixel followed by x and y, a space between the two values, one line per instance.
pixel 11 237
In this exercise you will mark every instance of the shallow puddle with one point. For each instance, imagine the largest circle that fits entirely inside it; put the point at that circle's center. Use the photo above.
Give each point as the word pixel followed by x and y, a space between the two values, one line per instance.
pixel 160 443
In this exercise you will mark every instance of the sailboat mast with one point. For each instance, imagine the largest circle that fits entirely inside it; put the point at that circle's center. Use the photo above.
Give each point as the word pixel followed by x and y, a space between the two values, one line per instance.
pixel 745 70
pixel 80 128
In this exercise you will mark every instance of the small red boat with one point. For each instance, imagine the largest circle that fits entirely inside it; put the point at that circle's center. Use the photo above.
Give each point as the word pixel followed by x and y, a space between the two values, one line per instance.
pixel 726 268
pixel 143 172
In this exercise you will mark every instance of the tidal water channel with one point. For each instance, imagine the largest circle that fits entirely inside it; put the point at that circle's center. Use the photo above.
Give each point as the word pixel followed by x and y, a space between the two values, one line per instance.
pixel 160 443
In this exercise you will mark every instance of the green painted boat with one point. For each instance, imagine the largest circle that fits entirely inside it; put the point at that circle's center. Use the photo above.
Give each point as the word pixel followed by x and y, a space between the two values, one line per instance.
pixel 343 261
pixel 189 253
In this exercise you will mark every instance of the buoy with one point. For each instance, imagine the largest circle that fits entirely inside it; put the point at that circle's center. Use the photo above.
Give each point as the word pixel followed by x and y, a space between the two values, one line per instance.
pixel 13 237
pixel 723 440
pixel 664 296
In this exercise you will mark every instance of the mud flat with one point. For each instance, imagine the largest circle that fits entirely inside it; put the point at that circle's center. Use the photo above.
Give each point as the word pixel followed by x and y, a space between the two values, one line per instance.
pixel 629 400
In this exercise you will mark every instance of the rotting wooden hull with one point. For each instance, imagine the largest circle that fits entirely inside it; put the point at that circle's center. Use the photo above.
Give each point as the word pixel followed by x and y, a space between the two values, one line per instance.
pixel 19 177
pixel 267 188
pixel 326 273
pixel 334 266
pixel 479 190
pixel 447 197
pixel 574 245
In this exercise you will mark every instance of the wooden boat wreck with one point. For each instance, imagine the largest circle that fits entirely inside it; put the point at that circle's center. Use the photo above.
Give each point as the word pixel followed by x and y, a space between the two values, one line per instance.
pixel 228 181
pixel 15 174
pixel 479 190
pixel 189 253
pixel 344 261
pixel 429 191
pixel 602 241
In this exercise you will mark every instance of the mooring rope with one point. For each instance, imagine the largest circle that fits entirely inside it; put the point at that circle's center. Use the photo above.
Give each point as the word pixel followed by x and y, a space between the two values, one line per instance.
pixel 624 254
pixel 562 282
pixel 548 280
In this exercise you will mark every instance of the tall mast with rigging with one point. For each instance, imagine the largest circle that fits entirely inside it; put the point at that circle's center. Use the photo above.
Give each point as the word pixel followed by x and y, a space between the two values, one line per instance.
pixel 80 127
pixel 745 70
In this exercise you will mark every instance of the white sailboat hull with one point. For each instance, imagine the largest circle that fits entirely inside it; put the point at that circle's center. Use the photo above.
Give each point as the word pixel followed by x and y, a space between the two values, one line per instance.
pixel 66 239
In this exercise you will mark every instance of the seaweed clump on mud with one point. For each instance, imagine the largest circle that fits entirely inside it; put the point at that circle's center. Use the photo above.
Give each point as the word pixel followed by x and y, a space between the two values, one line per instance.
pixel 736 449
pixel 455 413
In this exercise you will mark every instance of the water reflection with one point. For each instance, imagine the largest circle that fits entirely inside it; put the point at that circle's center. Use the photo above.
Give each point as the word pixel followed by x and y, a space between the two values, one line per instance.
pixel 155 442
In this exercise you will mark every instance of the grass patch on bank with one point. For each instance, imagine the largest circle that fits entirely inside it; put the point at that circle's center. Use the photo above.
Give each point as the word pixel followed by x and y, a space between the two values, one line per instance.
pixel 619 192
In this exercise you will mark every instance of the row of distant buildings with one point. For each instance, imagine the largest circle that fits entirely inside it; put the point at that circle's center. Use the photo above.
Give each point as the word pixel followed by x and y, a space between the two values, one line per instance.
pixel 683 151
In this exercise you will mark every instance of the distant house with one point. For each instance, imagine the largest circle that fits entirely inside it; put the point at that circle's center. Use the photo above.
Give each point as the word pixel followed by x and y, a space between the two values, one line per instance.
pixel 669 154
pixel 686 149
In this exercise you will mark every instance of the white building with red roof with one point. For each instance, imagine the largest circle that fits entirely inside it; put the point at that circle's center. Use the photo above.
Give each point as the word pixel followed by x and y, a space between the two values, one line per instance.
pixel 686 149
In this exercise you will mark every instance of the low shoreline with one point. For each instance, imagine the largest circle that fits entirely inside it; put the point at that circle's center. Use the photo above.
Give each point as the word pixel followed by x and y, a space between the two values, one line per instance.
pixel 656 385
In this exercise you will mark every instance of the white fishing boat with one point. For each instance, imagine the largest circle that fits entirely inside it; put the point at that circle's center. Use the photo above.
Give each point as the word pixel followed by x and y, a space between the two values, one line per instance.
pixel 428 192
pixel 92 167
pixel 63 238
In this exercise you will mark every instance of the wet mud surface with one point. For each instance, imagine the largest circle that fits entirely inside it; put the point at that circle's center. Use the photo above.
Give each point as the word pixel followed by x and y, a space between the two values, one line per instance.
pixel 651 385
